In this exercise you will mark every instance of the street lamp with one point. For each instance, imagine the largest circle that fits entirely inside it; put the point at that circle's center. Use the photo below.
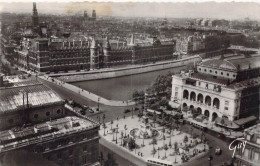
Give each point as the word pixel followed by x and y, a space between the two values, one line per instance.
pixel 210 158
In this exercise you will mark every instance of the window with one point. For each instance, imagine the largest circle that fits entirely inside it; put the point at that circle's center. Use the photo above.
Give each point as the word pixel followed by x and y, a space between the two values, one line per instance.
pixel 221 73
pixel 216 72
pixel 256 156
pixel 59 155
pixel 246 152
pixel 11 121
pixel 35 116
pixel 234 75
pixel 205 70
pixel 47 113
pixel 210 71
pixel 199 83
pixel 227 74
pixel 70 152
pixel 226 108
pixel 85 148
pixel 176 94
pixel 258 140
pixel 226 102
pixel 84 159
pixel 58 111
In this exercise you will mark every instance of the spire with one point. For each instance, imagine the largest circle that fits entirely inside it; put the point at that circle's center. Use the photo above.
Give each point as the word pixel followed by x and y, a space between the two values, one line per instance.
pixel 35 20
pixel 93 43
pixel 132 42
pixel 106 43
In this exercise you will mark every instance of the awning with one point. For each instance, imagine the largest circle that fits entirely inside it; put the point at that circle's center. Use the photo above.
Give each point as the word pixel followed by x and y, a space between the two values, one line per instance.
pixel 245 120
pixel 174 105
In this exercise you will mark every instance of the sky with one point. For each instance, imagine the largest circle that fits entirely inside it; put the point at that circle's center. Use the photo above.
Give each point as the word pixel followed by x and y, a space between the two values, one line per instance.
pixel 226 10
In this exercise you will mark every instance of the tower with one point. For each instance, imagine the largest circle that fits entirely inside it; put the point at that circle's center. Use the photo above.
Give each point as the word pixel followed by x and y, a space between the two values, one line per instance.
pixel 85 15
pixel 133 45
pixel 94 55
pixel 94 15
pixel 106 51
pixel 35 20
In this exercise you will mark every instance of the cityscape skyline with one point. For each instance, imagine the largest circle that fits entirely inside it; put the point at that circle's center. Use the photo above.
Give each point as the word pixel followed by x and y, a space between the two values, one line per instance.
pixel 240 10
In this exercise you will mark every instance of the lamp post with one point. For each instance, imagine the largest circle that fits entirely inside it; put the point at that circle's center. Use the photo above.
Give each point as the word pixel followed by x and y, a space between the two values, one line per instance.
pixel 210 158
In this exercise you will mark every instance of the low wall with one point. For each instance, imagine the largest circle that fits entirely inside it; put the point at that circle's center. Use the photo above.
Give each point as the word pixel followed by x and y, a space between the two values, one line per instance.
pixel 121 151
pixel 87 94
pixel 111 73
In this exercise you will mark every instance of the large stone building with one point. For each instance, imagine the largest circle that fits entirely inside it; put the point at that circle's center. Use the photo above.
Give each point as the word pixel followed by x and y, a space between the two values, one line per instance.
pixel 191 44
pixel 33 118
pixel 250 155
pixel 80 52
pixel 226 88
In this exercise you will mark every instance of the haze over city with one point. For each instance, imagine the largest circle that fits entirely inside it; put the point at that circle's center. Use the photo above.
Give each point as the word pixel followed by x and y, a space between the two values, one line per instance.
pixel 228 10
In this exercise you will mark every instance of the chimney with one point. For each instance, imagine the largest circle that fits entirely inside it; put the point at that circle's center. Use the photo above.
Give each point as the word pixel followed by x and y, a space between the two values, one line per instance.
pixel 27 95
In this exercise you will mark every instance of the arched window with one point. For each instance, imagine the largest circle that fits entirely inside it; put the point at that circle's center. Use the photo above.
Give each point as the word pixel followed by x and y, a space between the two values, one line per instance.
pixel 58 111
pixel 48 113
pixel 35 116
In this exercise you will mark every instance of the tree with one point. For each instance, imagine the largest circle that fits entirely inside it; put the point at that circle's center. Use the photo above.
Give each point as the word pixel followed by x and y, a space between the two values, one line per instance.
pixel 131 144
pixel 122 135
pixel 176 147
pixel 186 139
pixel 153 151
pixel 111 124
pixel 165 149
pixel 125 127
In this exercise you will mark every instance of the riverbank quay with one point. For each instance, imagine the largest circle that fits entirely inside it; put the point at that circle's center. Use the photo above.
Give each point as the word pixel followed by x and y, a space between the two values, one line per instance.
pixel 87 94
pixel 124 71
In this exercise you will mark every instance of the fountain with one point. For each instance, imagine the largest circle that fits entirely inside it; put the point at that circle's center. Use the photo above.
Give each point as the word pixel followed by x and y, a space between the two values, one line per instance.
pixel 144 131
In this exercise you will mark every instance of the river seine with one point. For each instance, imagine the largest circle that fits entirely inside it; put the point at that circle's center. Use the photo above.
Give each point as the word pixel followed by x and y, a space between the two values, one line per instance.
pixel 121 88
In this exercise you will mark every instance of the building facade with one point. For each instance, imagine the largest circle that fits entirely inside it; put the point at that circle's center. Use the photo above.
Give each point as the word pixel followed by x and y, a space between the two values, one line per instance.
pixel 191 44
pixel 33 118
pixel 78 53
pixel 250 156
pixel 219 89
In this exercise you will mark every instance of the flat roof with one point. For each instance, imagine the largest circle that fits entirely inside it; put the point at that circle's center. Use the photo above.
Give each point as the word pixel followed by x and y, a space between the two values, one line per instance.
pixel 11 98
pixel 235 63
pixel 17 136
pixel 209 78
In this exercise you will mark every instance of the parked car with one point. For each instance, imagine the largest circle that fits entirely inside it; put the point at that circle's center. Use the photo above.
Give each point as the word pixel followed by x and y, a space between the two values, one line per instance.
pixel 85 106
pixel 218 151
pixel 127 110
pixel 90 110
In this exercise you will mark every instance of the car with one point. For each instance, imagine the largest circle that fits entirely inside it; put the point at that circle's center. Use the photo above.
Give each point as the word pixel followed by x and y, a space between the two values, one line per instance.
pixel 140 114
pixel 85 106
pixel 91 111
pixel 127 110
pixel 218 151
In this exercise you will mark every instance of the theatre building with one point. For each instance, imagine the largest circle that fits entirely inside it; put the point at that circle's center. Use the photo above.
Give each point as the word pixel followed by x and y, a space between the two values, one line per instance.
pixel 225 88
pixel 34 118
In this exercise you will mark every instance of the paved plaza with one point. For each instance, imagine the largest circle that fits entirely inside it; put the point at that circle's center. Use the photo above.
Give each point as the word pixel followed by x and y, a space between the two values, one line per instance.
pixel 153 140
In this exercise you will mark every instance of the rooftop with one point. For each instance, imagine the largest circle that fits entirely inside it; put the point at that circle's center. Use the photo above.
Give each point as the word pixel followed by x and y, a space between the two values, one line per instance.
pixel 254 129
pixel 18 136
pixel 209 78
pixel 11 98
pixel 234 63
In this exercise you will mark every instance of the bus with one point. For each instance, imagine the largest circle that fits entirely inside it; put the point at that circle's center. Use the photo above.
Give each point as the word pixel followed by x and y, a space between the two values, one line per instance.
pixel 158 162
